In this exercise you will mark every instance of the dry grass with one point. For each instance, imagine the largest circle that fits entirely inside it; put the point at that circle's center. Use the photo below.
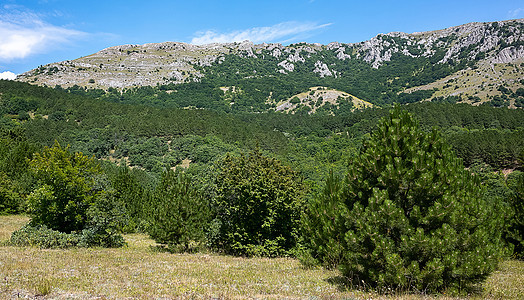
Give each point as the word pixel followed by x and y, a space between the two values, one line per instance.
pixel 8 224
pixel 138 272
pixel 483 81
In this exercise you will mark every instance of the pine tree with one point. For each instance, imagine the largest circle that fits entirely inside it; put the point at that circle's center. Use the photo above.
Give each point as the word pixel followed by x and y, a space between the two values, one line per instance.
pixel 410 216
pixel 178 214
pixel 515 231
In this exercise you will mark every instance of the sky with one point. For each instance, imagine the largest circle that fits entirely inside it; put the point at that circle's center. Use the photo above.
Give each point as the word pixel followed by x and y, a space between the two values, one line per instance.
pixel 39 32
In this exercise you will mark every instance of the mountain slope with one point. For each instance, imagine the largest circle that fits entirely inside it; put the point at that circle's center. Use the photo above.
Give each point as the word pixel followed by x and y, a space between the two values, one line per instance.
pixel 473 59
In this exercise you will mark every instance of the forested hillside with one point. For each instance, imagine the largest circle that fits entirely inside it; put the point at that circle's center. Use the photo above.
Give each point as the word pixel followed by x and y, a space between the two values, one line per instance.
pixel 155 138
pixel 472 63
pixel 182 175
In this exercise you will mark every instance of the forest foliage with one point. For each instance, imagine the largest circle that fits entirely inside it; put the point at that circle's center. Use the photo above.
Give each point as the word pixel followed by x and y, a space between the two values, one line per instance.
pixel 87 169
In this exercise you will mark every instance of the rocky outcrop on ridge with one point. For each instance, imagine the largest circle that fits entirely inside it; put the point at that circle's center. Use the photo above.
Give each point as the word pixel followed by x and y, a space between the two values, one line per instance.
pixel 128 66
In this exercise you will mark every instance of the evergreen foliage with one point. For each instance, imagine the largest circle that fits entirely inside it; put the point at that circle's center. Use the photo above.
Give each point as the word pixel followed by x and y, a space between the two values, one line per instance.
pixel 408 214
pixel 178 213
pixel 9 199
pixel 15 152
pixel 515 233
pixel 153 139
pixel 258 203
pixel 323 240
pixel 131 193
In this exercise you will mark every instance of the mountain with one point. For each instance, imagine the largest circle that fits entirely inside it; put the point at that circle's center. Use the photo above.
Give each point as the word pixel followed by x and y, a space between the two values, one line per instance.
pixel 472 63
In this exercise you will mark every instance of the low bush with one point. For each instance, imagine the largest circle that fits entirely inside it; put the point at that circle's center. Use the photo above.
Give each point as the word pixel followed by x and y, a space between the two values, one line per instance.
pixel 43 237
pixel 258 205
pixel 72 197
pixel 106 218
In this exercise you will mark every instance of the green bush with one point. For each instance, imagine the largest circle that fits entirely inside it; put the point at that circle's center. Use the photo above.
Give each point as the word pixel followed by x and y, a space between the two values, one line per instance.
pixel 408 215
pixel 74 197
pixel 258 204
pixel 43 237
pixel 178 214
pixel 106 218
pixel 102 230
pixel 508 191
pixel 67 188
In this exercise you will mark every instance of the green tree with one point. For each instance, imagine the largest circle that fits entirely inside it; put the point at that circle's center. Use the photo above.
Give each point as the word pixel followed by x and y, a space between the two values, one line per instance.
pixel 515 232
pixel 9 199
pixel 69 183
pixel 258 203
pixel 178 213
pixel 321 237
pixel 409 215
pixel 105 220
pixel 131 193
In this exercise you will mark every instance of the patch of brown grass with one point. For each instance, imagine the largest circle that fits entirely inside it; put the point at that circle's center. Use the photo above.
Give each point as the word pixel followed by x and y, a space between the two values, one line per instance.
pixel 8 224
pixel 507 282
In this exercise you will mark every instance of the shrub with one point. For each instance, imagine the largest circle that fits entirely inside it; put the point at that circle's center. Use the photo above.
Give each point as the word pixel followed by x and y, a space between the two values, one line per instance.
pixel 408 214
pixel 74 197
pixel 43 237
pixel 102 230
pixel 258 203
pixel 105 222
pixel 294 100
pixel 178 214
pixel 68 187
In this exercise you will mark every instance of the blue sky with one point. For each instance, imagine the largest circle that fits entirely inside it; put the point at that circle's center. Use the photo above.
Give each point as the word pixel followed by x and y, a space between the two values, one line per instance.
pixel 39 32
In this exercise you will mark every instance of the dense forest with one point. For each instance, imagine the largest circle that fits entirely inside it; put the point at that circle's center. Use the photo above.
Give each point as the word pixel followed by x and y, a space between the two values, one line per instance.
pixel 87 165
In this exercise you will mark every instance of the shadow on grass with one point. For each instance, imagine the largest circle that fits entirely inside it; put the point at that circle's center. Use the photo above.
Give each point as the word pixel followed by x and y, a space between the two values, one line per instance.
pixel 346 284
pixel 342 283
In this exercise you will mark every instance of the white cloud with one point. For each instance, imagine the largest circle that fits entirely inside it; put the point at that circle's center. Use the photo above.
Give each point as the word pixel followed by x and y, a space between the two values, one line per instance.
pixel 23 34
pixel 7 75
pixel 516 13
pixel 286 30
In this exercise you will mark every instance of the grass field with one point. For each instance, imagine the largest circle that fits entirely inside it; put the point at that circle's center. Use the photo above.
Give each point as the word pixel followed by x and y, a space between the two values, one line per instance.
pixel 139 272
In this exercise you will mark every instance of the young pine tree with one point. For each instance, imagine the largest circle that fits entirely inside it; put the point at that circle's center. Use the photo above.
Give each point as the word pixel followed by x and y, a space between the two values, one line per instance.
pixel 178 213
pixel 408 215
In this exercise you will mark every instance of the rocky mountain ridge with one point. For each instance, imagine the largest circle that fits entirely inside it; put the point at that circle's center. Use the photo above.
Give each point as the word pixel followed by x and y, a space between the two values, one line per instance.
pixel 127 66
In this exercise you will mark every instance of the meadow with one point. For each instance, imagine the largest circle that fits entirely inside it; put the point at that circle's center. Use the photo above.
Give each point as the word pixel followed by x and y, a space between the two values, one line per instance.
pixel 140 271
